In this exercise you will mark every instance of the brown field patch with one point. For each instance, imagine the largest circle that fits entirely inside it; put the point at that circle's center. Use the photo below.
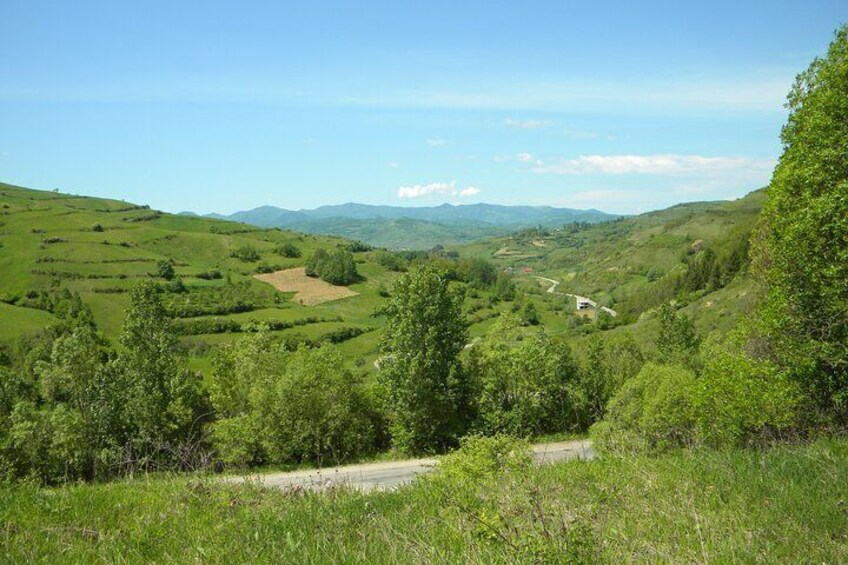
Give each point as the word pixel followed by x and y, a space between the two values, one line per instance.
pixel 307 290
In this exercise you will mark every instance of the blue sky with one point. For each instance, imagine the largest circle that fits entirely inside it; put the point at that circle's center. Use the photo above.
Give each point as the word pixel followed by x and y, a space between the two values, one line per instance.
pixel 210 106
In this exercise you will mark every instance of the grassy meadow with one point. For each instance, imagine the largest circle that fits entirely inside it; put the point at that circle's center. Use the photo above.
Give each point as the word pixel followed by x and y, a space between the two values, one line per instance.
pixel 784 505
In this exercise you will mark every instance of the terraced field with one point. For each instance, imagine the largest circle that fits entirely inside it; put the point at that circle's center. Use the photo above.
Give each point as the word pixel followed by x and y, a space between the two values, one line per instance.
pixel 100 248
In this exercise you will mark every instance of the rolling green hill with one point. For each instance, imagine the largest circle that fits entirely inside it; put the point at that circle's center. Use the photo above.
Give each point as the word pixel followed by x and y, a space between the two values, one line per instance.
pixel 100 248
pixel 613 262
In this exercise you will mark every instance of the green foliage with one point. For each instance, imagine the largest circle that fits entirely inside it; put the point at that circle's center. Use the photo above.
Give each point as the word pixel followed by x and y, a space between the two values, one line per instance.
pixel 740 400
pixel 288 250
pixel 477 272
pixel 391 261
pixel 164 402
pixel 165 270
pixel 466 474
pixel 247 253
pixel 337 267
pixel 315 263
pixel 286 407
pixel 652 411
pixel 530 316
pixel 677 341
pixel 801 253
pixel 427 392
pixel 610 361
pixel 524 381
pixel 318 411
pixel 504 287
pixel 340 268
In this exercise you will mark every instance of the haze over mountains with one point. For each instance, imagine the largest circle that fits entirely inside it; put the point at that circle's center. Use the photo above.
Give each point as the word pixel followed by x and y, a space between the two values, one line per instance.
pixel 414 227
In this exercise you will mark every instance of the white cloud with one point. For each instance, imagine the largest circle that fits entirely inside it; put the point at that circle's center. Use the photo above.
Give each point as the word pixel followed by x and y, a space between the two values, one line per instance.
pixel 524 157
pixel 526 124
pixel 393 165
pixel 668 164
pixel 447 188
pixel 437 142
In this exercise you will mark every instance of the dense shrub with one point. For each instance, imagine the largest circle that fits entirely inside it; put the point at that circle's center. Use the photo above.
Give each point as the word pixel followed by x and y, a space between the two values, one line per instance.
pixel 247 253
pixel 391 261
pixel 288 250
pixel 653 411
pixel 209 275
pixel 288 407
pixel 740 400
pixel 801 254
pixel 526 383
pixel 337 267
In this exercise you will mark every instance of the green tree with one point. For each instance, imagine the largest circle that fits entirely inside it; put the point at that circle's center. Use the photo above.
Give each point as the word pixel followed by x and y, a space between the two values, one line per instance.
pixel 164 401
pixel 427 392
pixel 504 287
pixel 288 250
pixel 525 382
pixel 288 407
pixel 165 270
pixel 319 411
pixel 800 249
pixel 610 361
pixel 677 341
pixel 530 316
pixel 315 263
pixel 339 268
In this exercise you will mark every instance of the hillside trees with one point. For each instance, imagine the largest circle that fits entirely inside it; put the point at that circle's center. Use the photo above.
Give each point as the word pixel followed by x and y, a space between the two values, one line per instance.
pixel 164 400
pixel 85 411
pixel 337 267
pixel 525 383
pixel 276 406
pixel 677 341
pixel 428 394
pixel 801 247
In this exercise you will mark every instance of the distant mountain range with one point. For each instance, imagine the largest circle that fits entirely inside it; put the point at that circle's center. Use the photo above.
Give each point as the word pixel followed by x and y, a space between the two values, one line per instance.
pixel 413 227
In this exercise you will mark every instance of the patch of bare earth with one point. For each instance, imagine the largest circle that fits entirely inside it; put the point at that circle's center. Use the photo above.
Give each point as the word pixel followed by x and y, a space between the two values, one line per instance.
pixel 307 290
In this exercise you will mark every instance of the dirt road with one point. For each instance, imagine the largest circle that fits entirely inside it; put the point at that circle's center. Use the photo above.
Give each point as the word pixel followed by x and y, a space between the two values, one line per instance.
pixel 382 476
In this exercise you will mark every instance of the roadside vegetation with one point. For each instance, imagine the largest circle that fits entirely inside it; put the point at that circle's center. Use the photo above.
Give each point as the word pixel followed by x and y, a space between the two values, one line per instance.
pixel 783 505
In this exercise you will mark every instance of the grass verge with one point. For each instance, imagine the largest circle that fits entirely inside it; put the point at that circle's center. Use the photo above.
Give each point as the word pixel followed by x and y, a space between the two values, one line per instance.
pixel 783 505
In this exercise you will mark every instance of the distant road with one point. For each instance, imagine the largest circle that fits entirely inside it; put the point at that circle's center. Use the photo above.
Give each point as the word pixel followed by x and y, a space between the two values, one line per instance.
pixel 553 290
pixel 383 476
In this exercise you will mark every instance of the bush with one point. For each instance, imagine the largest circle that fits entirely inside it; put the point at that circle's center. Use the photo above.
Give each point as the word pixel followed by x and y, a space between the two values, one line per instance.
pixel 288 250
pixel 209 275
pixel 337 267
pixel 246 253
pixel 525 382
pixel 653 411
pixel 741 401
pixel 287 407
pixel 479 464
pixel 165 270
pixel 391 261
pixel 319 411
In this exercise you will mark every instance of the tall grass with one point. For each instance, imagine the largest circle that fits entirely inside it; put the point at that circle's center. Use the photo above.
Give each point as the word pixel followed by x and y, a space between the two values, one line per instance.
pixel 784 505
